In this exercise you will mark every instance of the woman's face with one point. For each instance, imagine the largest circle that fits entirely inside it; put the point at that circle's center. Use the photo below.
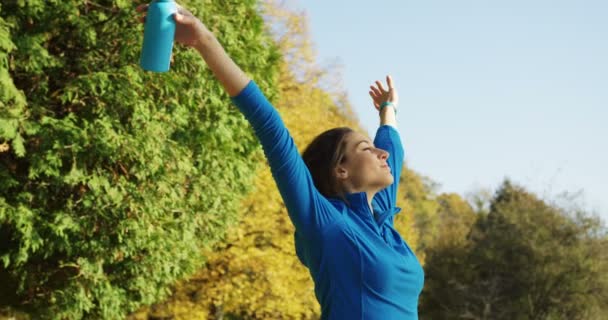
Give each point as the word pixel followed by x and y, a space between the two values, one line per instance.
pixel 365 168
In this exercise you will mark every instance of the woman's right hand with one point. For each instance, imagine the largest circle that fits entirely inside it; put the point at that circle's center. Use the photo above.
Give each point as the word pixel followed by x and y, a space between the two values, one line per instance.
pixel 189 30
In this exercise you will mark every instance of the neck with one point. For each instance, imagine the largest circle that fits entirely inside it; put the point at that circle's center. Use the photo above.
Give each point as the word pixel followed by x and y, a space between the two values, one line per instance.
pixel 370 196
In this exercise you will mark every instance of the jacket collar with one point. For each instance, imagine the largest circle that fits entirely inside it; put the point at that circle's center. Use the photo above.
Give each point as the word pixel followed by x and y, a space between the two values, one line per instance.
pixel 382 216
pixel 357 202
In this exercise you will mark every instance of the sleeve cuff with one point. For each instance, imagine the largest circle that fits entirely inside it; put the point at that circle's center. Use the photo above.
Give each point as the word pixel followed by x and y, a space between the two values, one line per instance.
pixel 249 89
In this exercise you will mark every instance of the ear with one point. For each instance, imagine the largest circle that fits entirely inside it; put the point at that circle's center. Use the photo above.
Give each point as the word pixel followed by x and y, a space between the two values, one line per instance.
pixel 341 173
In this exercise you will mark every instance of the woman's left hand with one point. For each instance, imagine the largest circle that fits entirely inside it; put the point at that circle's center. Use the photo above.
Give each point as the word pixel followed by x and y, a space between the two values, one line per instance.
pixel 380 95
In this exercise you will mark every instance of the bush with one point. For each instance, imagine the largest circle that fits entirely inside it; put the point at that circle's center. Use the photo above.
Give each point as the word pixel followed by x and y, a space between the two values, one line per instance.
pixel 113 179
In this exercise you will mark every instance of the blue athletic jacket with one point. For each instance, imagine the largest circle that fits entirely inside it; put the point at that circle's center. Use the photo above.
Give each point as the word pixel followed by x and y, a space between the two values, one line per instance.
pixel 361 267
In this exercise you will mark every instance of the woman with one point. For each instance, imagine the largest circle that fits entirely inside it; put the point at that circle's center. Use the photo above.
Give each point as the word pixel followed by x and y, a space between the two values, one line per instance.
pixel 340 195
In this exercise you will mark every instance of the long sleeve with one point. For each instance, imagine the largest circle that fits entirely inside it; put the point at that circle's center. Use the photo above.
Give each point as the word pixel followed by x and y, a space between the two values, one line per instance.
pixel 387 138
pixel 308 209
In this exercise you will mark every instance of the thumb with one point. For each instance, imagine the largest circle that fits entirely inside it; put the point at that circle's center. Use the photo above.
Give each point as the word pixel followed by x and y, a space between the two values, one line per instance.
pixel 183 19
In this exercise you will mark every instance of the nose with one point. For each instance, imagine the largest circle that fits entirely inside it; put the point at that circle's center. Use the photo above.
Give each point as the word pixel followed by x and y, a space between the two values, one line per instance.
pixel 383 154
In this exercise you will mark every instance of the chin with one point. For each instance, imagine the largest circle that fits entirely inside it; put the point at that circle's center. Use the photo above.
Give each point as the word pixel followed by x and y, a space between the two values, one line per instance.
pixel 389 180
pixel 383 181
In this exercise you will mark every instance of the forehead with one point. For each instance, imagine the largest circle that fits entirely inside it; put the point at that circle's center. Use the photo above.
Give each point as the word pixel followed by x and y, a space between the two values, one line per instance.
pixel 354 138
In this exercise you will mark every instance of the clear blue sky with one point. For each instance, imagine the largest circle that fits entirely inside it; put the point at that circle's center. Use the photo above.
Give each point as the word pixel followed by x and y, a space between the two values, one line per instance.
pixel 489 89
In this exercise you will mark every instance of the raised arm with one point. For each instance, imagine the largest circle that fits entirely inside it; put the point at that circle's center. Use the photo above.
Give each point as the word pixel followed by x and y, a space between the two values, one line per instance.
pixel 308 210
pixel 387 138
pixel 385 101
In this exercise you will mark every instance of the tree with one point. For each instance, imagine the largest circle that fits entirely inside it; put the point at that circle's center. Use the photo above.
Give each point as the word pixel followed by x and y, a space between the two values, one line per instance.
pixel 438 220
pixel 113 179
pixel 524 259
pixel 456 217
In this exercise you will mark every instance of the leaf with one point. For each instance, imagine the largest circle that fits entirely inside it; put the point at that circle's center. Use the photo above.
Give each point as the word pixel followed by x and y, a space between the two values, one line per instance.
pixel 18 146
pixel 6 260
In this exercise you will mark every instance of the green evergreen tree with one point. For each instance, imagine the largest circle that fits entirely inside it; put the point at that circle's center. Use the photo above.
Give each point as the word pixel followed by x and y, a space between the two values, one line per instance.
pixel 113 179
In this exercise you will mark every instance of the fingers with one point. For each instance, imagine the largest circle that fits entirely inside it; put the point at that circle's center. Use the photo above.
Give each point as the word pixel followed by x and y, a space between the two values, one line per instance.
pixel 142 7
pixel 380 86
pixel 389 81
pixel 181 15
pixel 374 97
pixel 375 90
pixel 379 89
pixel 178 17
pixel 184 17
pixel 183 11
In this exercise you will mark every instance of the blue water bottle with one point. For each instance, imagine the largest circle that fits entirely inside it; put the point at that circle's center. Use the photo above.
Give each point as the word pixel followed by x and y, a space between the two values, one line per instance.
pixel 159 32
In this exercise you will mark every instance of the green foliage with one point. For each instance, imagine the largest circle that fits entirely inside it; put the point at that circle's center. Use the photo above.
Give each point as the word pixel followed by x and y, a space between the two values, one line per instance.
pixel 113 179
pixel 524 259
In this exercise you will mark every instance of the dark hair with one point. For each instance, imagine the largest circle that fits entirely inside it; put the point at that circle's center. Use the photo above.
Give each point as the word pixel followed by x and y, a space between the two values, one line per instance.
pixel 322 155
